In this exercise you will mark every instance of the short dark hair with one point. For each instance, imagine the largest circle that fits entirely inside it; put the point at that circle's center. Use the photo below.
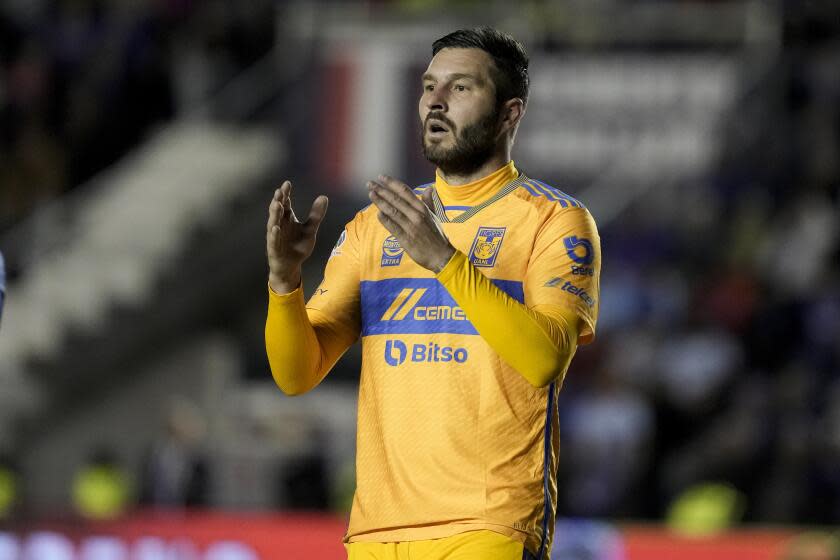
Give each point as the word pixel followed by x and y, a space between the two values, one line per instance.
pixel 510 74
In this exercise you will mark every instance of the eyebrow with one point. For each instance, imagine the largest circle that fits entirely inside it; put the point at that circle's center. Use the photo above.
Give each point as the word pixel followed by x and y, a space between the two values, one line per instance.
pixel 427 77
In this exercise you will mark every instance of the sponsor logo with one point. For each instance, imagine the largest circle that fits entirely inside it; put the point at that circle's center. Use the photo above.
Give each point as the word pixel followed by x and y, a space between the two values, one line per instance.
pixel 572 289
pixel 397 306
pixel 392 252
pixel 396 352
pixel 583 270
pixel 337 249
pixel 486 246
pixel 579 249
pixel 392 346
pixel 406 305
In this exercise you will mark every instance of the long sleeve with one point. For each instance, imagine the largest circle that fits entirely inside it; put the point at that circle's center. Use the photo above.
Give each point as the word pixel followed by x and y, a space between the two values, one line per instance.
pixel 302 345
pixel 303 342
pixel 561 288
pixel 538 343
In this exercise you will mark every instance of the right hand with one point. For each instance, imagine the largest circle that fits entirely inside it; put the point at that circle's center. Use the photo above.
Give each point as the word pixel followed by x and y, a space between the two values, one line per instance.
pixel 289 241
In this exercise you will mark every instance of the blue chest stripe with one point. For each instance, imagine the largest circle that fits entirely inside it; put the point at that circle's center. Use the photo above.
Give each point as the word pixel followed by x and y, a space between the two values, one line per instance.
pixel 418 306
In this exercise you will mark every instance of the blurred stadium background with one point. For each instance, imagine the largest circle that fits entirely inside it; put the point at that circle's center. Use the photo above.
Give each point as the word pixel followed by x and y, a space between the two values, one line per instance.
pixel 140 145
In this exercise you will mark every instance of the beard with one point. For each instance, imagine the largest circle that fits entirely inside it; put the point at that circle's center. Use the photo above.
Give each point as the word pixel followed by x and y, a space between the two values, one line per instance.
pixel 473 145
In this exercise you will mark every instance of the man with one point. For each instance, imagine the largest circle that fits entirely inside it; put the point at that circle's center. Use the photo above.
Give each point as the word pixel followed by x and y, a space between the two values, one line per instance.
pixel 470 302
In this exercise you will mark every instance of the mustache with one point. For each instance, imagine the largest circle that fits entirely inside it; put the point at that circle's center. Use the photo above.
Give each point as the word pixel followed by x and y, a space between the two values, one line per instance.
pixel 438 116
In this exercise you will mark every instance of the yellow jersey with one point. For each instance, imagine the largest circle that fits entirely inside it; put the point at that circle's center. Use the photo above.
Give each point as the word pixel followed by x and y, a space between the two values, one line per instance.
pixel 452 438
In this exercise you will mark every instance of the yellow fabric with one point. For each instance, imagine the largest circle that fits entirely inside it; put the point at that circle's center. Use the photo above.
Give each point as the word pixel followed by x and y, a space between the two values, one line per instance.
pixel 456 199
pixel 472 545
pixel 302 345
pixel 550 339
pixel 451 436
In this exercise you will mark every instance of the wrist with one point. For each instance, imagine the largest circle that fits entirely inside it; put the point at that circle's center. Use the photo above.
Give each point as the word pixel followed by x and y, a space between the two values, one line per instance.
pixel 284 284
pixel 445 258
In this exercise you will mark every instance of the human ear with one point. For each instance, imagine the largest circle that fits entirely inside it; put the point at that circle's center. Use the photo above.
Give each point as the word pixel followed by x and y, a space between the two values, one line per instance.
pixel 512 112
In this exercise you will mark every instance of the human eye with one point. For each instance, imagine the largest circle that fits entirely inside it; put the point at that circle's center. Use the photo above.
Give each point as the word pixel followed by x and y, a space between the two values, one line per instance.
pixel 428 87
pixel 460 87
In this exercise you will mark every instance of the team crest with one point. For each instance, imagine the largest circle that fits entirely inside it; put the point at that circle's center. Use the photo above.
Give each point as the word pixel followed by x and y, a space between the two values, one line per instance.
pixel 485 247
pixel 392 252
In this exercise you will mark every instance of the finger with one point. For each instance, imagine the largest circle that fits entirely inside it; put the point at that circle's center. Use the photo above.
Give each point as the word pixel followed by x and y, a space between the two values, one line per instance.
pixel 272 240
pixel 317 213
pixel 399 189
pixel 402 206
pixel 385 207
pixel 281 202
pixel 392 226
pixel 286 200
pixel 272 210
pixel 428 199
pixel 275 211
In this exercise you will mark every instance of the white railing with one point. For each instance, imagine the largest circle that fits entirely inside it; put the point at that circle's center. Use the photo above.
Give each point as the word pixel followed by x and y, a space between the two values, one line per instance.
pixel 125 230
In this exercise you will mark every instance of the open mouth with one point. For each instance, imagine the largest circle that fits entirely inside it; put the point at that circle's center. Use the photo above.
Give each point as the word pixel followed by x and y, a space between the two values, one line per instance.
pixel 435 127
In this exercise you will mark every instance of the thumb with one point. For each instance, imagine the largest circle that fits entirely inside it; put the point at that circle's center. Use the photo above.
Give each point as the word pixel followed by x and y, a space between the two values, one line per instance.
pixel 426 197
pixel 317 213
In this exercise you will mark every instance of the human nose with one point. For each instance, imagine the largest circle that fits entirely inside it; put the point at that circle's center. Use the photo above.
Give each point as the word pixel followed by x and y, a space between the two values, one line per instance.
pixel 436 100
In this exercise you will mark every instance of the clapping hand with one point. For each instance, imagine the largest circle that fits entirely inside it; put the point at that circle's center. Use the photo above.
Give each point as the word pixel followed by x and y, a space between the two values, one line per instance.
pixel 411 221
pixel 289 241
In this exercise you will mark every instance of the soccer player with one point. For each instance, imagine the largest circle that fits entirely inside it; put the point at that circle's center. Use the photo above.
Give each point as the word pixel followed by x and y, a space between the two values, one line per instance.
pixel 470 295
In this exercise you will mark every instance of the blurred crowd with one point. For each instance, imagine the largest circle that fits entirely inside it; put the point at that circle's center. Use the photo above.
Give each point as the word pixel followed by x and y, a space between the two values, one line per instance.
pixel 718 361
pixel 83 81
pixel 172 474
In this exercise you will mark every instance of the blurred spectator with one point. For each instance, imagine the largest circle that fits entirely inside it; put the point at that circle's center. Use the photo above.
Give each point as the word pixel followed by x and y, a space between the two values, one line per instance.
pixel 2 286
pixel 785 496
pixel 587 540
pixel 795 255
pixel 731 445
pixel 695 366
pixel 344 487
pixel 304 480
pixel 825 475
pixel 812 545
pixel 706 509
pixel 9 486
pixel 175 471
pixel 606 430
pixel 101 487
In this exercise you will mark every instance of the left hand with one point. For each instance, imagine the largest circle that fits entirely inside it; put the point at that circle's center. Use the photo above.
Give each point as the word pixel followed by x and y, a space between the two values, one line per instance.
pixel 411 221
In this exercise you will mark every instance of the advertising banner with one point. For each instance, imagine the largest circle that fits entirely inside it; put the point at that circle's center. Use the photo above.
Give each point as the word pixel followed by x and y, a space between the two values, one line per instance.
pixel 278 536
